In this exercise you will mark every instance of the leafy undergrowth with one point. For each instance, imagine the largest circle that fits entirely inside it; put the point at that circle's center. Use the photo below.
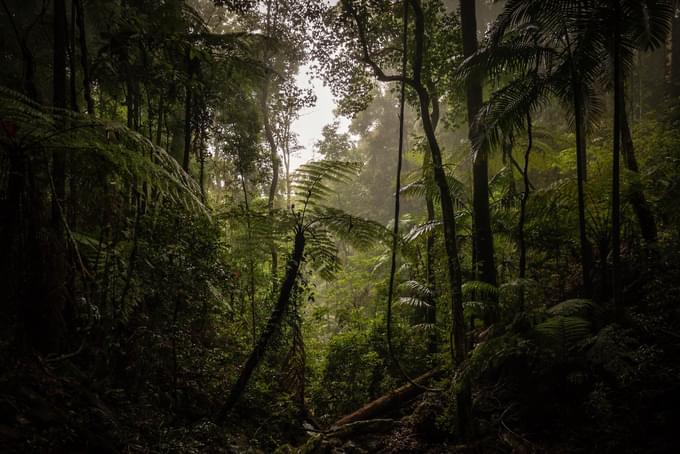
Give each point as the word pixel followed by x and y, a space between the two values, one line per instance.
pixel 54 408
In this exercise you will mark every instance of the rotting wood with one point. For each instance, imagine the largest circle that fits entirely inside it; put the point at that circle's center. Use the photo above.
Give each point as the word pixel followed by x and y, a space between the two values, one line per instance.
pixel 390 401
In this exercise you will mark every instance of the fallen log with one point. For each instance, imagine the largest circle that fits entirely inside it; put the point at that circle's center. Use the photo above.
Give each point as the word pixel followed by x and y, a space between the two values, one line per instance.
pixel 390 401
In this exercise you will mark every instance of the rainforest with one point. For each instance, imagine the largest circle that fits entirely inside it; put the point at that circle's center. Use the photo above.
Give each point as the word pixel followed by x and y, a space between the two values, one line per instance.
pixel 339 226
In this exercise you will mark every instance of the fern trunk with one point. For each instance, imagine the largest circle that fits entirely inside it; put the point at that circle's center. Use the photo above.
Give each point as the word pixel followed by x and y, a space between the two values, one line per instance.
pixel 272 327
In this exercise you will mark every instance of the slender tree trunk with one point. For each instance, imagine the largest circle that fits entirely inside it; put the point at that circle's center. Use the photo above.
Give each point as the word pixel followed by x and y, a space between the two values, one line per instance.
pixel 586 248
pixel 616 202
pixel 84 56
pixel 187 115
pixel 431 314
pixel 448 212
pixel 482 236
pixel 159 126
pixel 271 23
pixel 523 203
pixel 202 153
pixel 72 60
pixel 251 264
pixel 56 297
pixel 187 130
pixel 643 212
pixel 269 134
pixel 675 54
pixel 272 327
pixel 459 345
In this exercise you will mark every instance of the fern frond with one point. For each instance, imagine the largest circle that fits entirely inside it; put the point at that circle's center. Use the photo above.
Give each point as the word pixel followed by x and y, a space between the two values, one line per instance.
pixel 312 181
pixel 108 146
pixel 563 333
pixel 478 290
pixel 322 253
pixel 413 302
pixel 574 307
pixel 417 289
pixel 421 229
pixel 357 231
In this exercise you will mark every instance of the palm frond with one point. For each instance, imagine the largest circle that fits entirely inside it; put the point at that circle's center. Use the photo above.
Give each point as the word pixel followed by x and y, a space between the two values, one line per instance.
pixel 507 109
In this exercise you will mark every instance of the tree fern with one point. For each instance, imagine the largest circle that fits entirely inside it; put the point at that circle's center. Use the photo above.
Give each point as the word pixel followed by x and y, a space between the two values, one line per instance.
pixel 575 307
pixel 562 333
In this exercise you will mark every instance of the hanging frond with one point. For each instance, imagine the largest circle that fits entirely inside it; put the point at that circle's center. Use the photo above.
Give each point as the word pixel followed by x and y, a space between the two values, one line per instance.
pixel 413 302
pixel 513 56
pixel 421 229
pixel 478 290
pixel 548 15
pixel 507 109
pixel 425 327
pixel 122 155
pixel 575 307
pixel 357 231
pixel 322 253
pixel 312 182
pixel 417 289
pixel 648 22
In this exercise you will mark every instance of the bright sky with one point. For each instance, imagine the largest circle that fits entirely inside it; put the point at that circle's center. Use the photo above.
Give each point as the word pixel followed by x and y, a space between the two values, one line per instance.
pixel 312 120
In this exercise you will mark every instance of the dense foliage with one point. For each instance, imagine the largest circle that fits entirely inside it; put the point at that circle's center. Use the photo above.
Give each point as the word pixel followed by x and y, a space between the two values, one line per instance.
pixel 172 281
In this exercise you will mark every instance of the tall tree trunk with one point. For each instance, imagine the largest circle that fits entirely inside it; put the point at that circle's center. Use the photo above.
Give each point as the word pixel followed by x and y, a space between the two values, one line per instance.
pixel 586 248
pixel 251 263
pixel 523 204
pixel 187 130
pixel 84 56
pixel 187 114
pixel 482 235
pixel 616 203
pixel 459 344
pixel 642 210
pixel 159 126
pixel 431 314
pixel 271 25
pixel 269 134
pixel 72 60
pixel 56 297
pixel 272 327
pixel 675 54
pixel 448 212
